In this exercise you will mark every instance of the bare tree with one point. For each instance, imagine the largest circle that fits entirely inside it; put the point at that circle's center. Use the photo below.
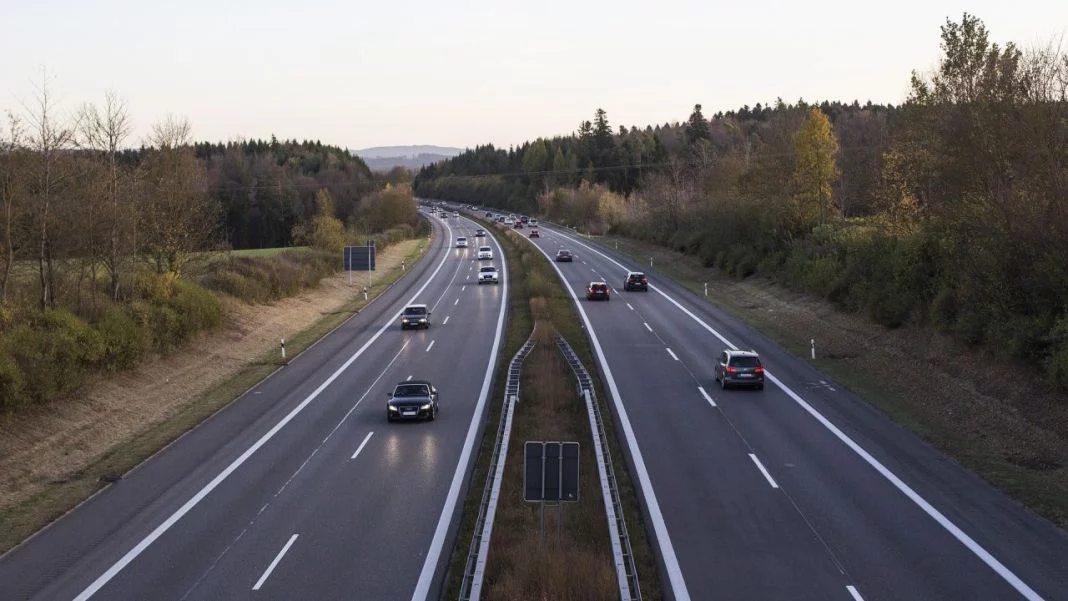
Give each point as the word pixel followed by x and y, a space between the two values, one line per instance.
pixel 10 198
pixel 179 217
pixel 48 137
pixel 106 130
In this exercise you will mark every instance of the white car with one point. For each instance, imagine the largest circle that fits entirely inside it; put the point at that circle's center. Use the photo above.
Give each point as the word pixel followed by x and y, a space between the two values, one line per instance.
pixel 485 252
pixel 455 214
pixel 509 221
pixel 533 223
pixel 461 242
pixel 488 274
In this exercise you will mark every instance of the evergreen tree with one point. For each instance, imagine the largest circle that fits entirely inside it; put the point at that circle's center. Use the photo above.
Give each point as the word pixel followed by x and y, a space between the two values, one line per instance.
pixel 697 128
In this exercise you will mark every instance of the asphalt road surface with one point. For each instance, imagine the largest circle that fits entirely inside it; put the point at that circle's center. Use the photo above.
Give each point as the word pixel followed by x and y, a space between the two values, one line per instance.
pixel 301 489
pixel 797 492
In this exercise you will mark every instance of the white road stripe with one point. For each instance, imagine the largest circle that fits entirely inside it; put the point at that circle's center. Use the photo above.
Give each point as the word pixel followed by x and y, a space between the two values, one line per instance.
pixel 193 501
pixel 456 302
pixel 760 466
pixel 968 542
pixel 647 326
pixel 462 288
pixel 274 563
pixel 707 397
pixel 364 443
pixel 409 377
pixel 853 591
pixel 673 355
pixel 446 319
pixel 630 307
pixel 431 345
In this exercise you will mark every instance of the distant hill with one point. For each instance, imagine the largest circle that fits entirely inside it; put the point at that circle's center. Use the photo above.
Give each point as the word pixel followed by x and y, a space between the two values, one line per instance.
pixel 384 158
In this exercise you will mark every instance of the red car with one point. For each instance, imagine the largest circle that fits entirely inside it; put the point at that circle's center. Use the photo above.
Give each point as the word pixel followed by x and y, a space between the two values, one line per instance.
pixel 598 291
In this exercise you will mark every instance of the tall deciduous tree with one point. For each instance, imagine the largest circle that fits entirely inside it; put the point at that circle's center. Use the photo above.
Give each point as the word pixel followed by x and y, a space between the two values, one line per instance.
pixel 816 172
pixel 178 217
pixel 106 130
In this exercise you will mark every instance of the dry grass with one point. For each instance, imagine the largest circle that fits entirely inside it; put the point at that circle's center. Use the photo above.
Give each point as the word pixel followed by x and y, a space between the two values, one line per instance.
pixel 1013 432
pixel 522 563
pixel 53 457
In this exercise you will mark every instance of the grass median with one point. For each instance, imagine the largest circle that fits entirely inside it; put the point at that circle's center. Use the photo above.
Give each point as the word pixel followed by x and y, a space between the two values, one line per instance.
pixel 520 566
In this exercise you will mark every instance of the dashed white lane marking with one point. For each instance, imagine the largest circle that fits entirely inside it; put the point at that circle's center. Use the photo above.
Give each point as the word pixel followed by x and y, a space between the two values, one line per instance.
pixel 409 377
pixel 366 438
pixel 707 397
pixel 853 591
pixel 274 563
pixel 647 326
pixel 462 288
pixel 456 302
pixel 760 466
pixel 446 319
pixel 630 307
pixel 431 345
pixel 673 355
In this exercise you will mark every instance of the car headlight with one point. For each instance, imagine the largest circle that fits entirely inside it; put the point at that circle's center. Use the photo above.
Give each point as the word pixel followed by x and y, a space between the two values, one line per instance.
pixel 425 407
pixel 391 407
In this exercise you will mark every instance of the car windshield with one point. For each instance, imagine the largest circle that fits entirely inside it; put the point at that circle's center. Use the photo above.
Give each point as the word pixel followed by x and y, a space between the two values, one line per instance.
pixel 564 253
pixel 415 311
pixel 598 287
pixel 484 249
pixel 411 390
pixel 745 362
pixel 488 269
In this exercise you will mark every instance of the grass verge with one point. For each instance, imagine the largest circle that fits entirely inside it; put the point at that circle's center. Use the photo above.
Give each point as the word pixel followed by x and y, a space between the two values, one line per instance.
pixel 1001 448
pixel 24 518
pixel 532 277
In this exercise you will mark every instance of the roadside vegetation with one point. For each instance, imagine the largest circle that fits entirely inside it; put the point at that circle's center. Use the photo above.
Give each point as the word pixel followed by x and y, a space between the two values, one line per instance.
pixel 580 567
pixel 938 228
pixel 947 210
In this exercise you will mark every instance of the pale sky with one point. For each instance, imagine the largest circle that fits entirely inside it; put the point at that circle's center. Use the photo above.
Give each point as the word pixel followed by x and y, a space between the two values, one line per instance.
pixel 359 74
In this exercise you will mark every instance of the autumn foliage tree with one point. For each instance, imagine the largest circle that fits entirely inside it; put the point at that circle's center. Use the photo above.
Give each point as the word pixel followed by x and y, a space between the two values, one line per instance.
pixel 816 172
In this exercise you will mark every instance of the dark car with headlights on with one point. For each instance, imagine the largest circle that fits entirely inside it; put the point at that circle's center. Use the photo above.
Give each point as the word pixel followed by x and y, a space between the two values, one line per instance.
pixel 597 291
pixel 415 316
pixel 564 256
pixel 414 399
pixel 739 368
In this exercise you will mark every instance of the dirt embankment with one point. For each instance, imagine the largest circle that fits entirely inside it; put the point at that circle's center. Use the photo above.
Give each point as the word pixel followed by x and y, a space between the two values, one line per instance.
pixel 55 443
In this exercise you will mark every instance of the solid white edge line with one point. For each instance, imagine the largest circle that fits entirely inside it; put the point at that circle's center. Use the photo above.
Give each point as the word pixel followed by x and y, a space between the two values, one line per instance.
pixel 647 326
pixel 430 346
pixel 853 591
pixel 362 445
pixel 274 564
pixel 433 556
pixel 151 537
pixel 706 395
pixel 962 537
pixel 760 466
pixel 667 549
pixel 673 355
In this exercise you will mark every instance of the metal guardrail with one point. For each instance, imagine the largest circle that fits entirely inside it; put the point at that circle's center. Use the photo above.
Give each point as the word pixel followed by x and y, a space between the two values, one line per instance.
pixel 475 568
pixel 626 573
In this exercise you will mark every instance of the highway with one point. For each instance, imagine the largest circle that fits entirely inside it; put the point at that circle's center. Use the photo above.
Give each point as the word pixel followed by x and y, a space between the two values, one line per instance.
pixel 800 491
pixel 301 489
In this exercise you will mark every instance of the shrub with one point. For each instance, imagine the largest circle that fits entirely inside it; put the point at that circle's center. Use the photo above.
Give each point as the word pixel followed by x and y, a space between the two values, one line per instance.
pixel 11 382
pixel 53 352
pixel 124 340
pixel 196 308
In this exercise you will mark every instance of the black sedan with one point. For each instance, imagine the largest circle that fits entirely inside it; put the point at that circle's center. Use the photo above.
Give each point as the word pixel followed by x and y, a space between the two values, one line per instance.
pixel 413 399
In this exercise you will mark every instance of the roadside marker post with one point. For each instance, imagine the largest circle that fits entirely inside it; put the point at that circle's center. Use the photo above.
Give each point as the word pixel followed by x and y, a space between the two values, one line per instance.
pixel 812 343
pixel 283 348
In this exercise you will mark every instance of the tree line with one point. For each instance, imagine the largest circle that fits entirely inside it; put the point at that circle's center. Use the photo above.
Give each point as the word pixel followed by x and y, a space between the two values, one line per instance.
pixel 948 210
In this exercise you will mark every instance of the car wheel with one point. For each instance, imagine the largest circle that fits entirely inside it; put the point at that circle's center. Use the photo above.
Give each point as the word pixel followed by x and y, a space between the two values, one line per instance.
pixel 760 386
pixel 389 418
pixel 723 383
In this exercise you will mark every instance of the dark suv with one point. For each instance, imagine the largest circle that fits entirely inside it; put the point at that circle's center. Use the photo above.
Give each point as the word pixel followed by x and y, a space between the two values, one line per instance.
pixel 415 316
pixel 414 399
pixel 636 280
pixel 598 291
pixel 739 368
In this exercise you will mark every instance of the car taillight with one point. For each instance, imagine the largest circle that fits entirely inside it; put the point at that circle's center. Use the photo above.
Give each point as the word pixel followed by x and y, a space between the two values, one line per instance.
pixel 759 370
pixel 731 370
